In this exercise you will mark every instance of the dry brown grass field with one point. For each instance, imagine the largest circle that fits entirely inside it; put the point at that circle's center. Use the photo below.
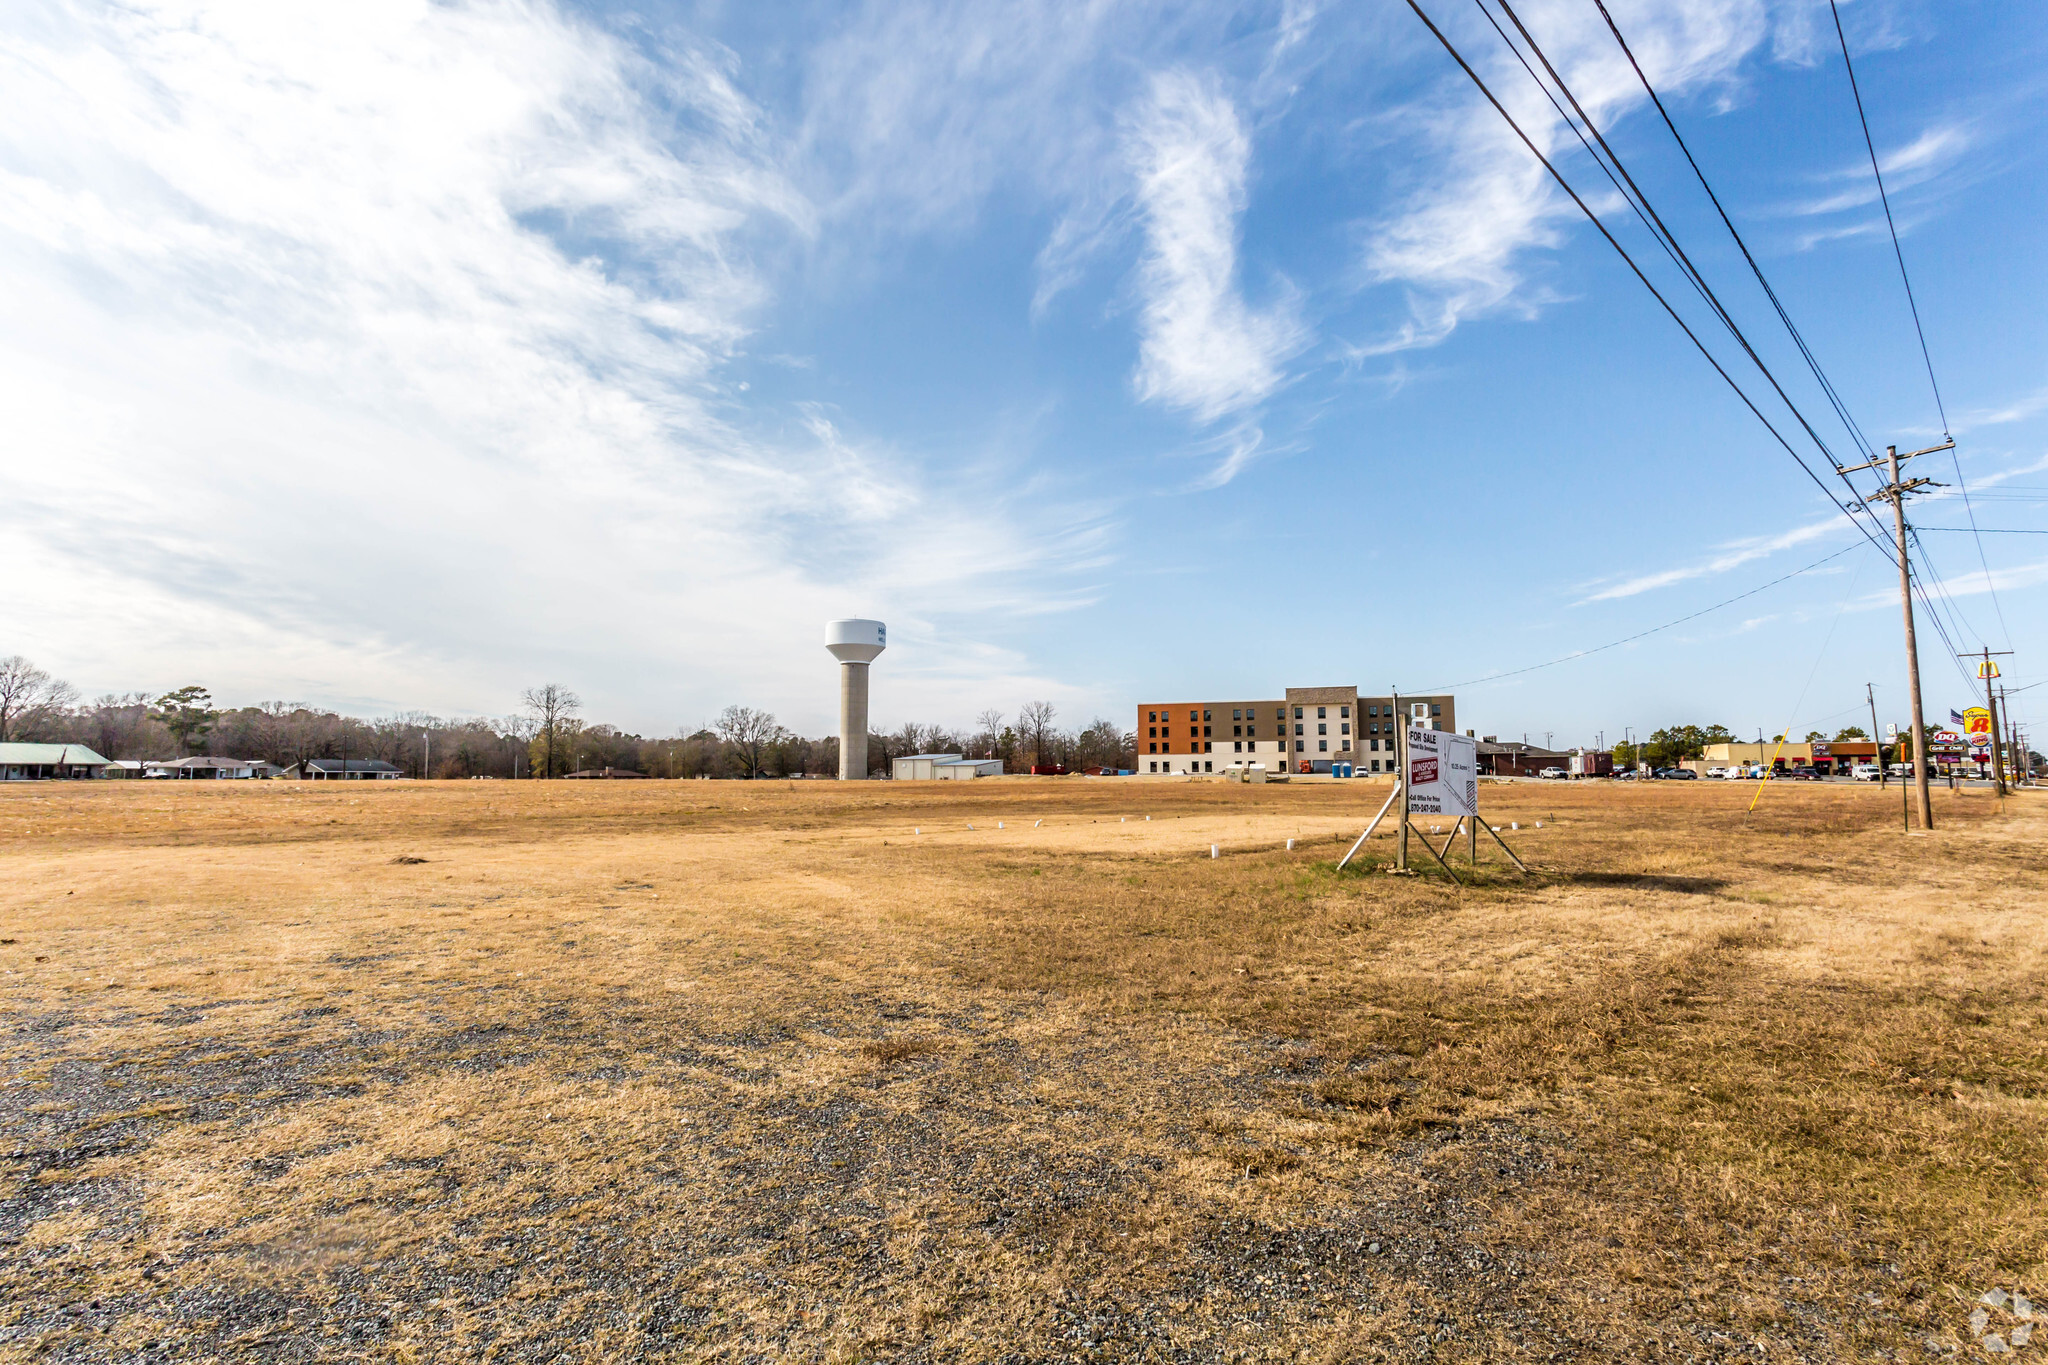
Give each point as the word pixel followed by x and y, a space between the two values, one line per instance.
pixel 753 1072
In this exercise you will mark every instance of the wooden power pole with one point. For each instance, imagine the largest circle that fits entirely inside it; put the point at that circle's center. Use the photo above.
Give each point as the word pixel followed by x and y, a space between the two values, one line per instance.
pixel 1894 492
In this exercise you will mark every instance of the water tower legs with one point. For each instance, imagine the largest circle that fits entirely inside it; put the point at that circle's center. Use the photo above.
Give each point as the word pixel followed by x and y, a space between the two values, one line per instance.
pixel 853 722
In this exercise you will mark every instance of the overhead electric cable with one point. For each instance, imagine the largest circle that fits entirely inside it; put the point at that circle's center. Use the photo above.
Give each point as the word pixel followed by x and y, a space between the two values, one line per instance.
pixel 1885 199
pixel 1635 269
pixel 1834 397
pixel 1626 639
pixel 1913 304
pixel 1672 247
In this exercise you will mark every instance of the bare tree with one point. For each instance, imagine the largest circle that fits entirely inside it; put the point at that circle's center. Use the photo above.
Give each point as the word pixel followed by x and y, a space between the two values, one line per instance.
pixel 988 732
pixel 29 698
pixel 553 708
pixel 1034 728
pixel 749 733
pixel 118 725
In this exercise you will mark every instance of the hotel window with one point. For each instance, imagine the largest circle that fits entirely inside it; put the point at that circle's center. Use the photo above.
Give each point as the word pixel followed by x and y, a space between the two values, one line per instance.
pixel 1237 714
pixel 1208 748
pixel 1436 710
pixel 1345 746
pixel 1344 729
pixel 1151 715
pixel 1322 746
pixel 1322 713
pixel 1301 746
pixel 1237 730
pixel 1194 715
pixel 1344 711
pixel 1297 729
pixel 1322 729
pixel 1297 713
pixel 1372 710
pixel 1205 715
pixel 1205 729
pixel 1237 747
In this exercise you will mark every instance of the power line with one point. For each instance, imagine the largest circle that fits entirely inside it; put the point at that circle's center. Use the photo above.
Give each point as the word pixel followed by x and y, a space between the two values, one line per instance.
pixel 1611 644
pixel 1629 260
pixel 1669 238
pixel 1913 304
pixel 1827 386
pixel 1885 199
pixel 1980 530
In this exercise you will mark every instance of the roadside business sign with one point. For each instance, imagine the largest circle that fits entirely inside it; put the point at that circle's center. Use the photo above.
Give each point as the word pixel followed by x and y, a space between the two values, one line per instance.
pixel 1443 773
pixel 1988 668
pixel 1947 737
pixel 1977 721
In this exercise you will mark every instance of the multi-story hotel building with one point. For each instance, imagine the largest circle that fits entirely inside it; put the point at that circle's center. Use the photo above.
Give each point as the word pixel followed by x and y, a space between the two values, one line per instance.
pixel 1307 731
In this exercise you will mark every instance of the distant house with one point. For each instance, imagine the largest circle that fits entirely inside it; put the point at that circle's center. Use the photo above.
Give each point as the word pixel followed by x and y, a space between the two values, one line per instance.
pixel 213 769
pixel 41 762
pixel 606 772
pixel 335 769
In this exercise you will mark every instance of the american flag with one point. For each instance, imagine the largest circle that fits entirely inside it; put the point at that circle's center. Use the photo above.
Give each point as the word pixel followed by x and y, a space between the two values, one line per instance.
pixel 1955 717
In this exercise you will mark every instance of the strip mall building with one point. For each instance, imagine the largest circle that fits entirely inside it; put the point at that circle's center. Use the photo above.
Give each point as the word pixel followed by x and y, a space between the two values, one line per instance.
pixel 1836 756
pixel 1310 730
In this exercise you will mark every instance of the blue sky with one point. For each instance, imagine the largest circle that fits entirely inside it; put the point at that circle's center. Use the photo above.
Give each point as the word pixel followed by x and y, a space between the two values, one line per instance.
pixel 398 356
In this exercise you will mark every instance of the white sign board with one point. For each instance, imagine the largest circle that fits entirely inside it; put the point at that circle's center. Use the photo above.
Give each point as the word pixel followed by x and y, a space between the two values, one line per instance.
pixel 1443 773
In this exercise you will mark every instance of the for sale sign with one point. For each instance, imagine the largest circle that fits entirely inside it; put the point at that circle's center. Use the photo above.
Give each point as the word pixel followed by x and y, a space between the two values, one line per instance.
pixel 1443 773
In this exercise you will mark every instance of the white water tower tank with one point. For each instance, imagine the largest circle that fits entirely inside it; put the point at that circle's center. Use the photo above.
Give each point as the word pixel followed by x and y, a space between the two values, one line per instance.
pixel 855 642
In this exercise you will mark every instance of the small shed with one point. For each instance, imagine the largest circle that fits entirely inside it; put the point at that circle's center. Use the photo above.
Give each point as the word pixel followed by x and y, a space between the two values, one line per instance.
pixel 959 769
pixel 919 767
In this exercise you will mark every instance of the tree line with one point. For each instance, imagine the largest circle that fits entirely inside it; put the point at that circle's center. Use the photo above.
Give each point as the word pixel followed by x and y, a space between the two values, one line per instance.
pixel 547 737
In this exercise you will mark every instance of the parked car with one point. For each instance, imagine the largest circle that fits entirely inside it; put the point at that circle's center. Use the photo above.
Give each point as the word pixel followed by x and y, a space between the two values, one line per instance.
pixel 1717 772
pixel 1900 770
pixel 1624 774
pixel 1865 772
pixel 1683 774
pixel 1804 774
pixel 1553 772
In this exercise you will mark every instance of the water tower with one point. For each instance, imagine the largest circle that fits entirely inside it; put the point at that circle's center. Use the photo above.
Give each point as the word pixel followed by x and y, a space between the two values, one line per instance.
pixel 855 644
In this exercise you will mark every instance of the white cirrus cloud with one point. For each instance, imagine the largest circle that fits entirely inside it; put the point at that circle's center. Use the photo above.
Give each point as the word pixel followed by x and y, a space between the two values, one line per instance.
pixel 1456 246
pixel 375 355
pixel 1203 347
pixel 1730 556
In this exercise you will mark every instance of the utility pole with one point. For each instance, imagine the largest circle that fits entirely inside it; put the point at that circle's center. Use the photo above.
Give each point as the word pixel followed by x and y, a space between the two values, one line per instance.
pixel 1989 671
pixel 1894 492
pixel 1870 695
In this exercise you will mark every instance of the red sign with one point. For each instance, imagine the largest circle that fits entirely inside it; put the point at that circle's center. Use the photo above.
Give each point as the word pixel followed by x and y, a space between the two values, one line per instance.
pixel 1422 771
